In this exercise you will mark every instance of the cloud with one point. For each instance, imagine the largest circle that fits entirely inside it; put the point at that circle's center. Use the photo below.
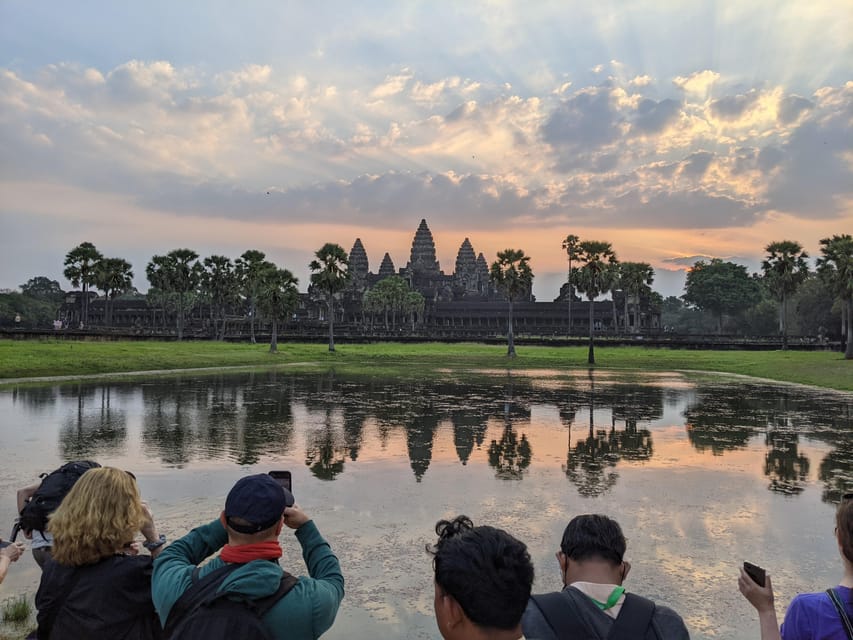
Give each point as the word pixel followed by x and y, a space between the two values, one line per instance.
pixel 654 117
pixel 791 107
pixel 392 85
pixel 699 82
pixel 734 107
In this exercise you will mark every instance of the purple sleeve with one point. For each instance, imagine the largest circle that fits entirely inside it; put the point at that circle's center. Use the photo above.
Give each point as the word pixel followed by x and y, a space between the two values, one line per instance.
pixel 798 624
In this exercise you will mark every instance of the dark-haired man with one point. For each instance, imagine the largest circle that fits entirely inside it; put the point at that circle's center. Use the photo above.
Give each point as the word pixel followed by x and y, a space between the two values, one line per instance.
pixel 247 532
pixel 483 578
pixel 593 603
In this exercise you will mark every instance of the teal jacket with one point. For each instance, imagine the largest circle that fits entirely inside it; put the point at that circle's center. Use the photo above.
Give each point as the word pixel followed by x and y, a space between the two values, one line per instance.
pixel 304 613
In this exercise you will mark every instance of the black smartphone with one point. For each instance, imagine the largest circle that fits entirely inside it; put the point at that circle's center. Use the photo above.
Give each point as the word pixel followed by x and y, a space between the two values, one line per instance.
pixel 755 572
pixel 283 478
pixel 4 544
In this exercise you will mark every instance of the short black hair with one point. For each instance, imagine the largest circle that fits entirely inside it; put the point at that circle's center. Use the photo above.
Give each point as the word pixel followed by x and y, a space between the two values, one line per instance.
pixel 487 571
pixel 594 536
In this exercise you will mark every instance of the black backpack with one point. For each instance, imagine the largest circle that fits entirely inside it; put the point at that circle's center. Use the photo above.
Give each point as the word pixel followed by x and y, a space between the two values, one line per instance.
pixel 53 488
pixel 204 612
pixel 633 622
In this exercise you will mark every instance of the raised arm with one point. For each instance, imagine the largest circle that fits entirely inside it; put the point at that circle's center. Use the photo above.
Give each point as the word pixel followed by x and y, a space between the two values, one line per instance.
pixel 762 599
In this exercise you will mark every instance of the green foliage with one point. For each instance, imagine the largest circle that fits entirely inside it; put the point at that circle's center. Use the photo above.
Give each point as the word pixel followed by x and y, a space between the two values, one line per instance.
pixel 35 313
pixel 330 274
pixel 785 268
pixel 720 288
pixel 17 610
pixel 836 268
pixel 597 274
pixel 393 295
pixel 113 276
pixel 80 270
pixel 277 298
pixel 177 273
pixel 511 274
pixel 813 311
pixel 42 288
pixel 219 284
pixel 250 266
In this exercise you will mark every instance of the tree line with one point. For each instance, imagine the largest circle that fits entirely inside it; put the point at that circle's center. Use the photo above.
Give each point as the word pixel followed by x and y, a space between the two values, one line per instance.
pixel 717 290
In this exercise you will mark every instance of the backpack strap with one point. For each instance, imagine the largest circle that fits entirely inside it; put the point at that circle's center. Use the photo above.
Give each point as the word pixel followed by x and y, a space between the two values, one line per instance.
pixel 635 616
pixel 845 621
pixel 559 612
pixel 205 590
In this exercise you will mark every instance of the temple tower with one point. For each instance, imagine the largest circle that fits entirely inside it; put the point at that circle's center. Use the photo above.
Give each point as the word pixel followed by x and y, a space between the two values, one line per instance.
pixel 422 260
pixel 466 277
pixel 358 263
pixel 483 276
pixel 387 267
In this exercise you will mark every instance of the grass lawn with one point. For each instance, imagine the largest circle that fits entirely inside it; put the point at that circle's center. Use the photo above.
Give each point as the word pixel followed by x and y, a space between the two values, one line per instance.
pixel 25 359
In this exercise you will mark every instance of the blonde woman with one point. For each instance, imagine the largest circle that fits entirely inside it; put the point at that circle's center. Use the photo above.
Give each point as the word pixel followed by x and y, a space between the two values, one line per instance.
pixel 96 585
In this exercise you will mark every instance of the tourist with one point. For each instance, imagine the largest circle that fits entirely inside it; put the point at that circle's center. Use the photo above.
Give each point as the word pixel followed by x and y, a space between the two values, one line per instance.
pixel 247 532
pixel 483 578
pixel 593 602
pixel 9 553
pixel 96 585
pixel 811 616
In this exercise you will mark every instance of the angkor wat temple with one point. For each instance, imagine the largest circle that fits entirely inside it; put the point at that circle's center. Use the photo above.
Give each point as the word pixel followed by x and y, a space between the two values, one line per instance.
pixel 466 304
pixel 463 304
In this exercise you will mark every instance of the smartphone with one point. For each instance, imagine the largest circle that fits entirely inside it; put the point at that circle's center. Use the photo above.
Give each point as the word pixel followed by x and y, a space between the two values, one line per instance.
pixel 755 572
pixel 4 544
pixel 283 478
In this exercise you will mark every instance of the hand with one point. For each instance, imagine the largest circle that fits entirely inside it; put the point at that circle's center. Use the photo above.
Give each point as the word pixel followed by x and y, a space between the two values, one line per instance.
pixel 149 529
pixel 13 551
pixel 759 597
pixel 294 517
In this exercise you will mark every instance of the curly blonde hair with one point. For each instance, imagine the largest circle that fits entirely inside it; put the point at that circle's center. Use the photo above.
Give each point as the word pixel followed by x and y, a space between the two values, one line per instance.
pixel 100 515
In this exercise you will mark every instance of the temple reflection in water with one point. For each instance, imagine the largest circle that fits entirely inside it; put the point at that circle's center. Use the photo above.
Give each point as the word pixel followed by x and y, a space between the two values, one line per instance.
pixel 489 419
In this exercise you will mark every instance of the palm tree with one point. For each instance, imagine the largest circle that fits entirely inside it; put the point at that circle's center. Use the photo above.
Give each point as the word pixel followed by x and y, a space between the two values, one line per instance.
pixel 785 268
pixel 277 297
pixel 571 245
pixel 113 276
pixel 177 273
pixel 836 268
pixel 593 278
pixel 636 279
pixel 512 275
pixel 250 266
pixel 80 270
pixel 330 275
pixel 220 284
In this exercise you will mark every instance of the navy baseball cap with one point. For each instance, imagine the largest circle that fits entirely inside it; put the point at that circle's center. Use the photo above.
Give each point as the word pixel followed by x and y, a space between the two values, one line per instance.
pixel 258 500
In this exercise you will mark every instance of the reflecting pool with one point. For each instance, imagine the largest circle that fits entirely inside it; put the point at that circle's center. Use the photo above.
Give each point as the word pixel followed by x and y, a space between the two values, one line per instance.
pixel 702 472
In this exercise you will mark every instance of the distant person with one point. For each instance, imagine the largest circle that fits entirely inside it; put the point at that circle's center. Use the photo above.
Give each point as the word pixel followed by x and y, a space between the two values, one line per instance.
pixel 247 571
pixel 96 585
pixel 483 578
pixel 827 615
pixel 9 553
pixel 593 603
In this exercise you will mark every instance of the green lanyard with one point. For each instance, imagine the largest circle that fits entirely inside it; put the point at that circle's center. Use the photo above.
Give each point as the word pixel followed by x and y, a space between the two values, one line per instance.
pixel 612 600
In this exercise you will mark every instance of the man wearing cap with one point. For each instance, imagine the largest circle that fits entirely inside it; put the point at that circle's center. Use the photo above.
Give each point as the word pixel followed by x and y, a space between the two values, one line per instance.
pixel 247 533
pixel 593 603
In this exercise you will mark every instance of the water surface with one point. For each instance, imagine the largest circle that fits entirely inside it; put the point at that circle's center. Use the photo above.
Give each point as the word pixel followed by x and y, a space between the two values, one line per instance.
pixel 701 472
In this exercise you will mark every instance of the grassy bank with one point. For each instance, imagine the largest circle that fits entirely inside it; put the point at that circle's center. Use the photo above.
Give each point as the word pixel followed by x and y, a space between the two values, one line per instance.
pixel 23 359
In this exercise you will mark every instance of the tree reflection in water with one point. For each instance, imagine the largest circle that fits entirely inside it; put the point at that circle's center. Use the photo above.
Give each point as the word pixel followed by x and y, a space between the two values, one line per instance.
pixel 93 434
pixel 244 417
pixel 787 468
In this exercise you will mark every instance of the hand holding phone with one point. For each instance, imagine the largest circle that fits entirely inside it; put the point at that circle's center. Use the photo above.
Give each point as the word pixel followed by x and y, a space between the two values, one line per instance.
pixel 755 572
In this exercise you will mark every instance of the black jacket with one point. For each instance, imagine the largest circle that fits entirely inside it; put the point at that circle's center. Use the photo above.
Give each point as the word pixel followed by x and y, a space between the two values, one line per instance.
pixel 110 599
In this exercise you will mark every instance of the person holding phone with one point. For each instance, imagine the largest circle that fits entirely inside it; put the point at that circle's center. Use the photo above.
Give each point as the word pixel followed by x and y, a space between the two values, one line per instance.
pixel 9 553
pixel 246 535
pixel 826 615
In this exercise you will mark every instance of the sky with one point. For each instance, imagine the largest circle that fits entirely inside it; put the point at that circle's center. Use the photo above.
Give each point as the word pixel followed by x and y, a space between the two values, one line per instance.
pixel 677 130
